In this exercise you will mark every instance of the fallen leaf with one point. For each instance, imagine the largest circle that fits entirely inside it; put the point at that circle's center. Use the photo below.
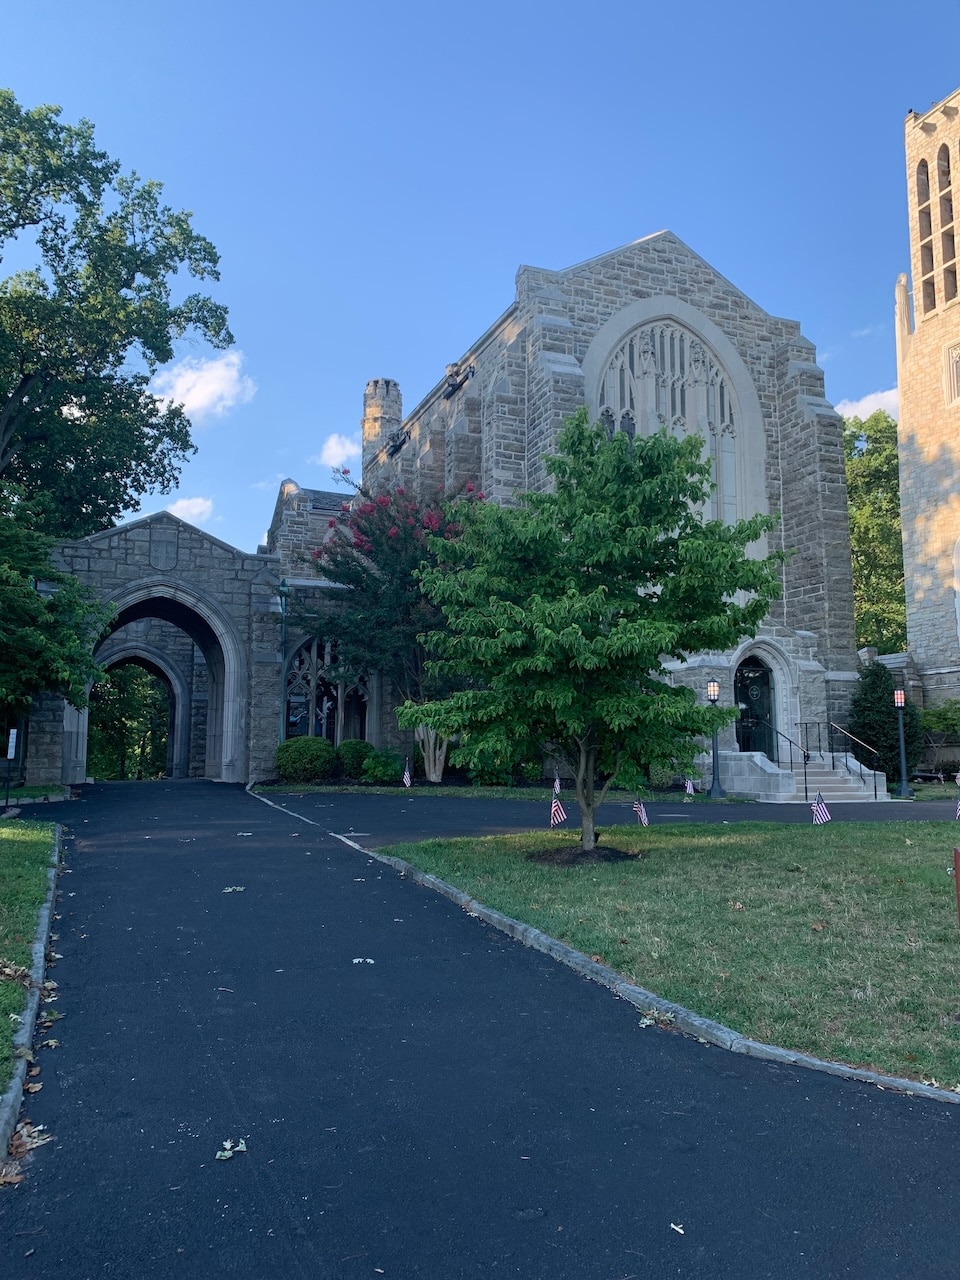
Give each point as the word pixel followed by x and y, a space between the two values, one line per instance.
pixel 32 1088
pixel 235 888
pixel 817 927
pixel 49 1044
pixel 363 960
pixel 737 906
pixel 10 972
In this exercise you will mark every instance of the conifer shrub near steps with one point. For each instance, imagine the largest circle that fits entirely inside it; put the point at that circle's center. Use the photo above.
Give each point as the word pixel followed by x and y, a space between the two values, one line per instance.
pixel 305 760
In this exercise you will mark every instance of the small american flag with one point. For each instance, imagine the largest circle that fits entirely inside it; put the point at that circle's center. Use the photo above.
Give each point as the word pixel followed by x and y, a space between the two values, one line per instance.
pixel 689 787
pixel 820 811
pixel 556 784
pixel 640 811
pixel 957 779
pixel 406 773
pixel 557 812
pixel 958 810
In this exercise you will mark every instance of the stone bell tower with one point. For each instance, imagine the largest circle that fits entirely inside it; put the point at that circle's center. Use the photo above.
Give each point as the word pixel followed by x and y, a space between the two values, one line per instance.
pixel 928 374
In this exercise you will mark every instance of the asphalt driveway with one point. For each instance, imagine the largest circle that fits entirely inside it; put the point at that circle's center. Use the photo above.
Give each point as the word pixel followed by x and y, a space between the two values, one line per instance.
pixel 419 1096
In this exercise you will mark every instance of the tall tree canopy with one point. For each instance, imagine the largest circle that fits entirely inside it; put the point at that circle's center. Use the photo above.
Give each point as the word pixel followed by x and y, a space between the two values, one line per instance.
pixel 84 329
pixel 873 494
pixel 562 609
pixel 382 621
pixel 48 622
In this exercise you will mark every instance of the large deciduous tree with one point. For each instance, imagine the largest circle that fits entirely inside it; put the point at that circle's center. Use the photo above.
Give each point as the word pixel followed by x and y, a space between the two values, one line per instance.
pixel 48 622
pixel 873 495
pixel 84 329
pixel 379 615
pixel 562 610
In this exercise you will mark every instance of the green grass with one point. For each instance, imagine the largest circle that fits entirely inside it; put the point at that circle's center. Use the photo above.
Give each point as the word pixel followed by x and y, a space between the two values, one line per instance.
pixel 841 940
pixel 25 849
pixel 544 794
pixel 19 794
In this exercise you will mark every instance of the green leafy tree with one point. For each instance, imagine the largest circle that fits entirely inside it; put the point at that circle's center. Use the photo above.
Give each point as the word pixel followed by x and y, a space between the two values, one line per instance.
pixel 383 621
pixel 873 495
pixel 561 611
pixel 873 719
pixel 48 621
pixel 129 722
pixel 83 332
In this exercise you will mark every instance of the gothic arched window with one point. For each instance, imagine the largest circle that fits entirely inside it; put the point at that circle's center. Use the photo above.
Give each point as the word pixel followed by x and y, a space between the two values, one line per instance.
pixel 663 375
pixel 317 704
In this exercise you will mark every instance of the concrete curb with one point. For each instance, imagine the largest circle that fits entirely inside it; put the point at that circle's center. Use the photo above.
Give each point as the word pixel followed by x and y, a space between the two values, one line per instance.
pixel 12 1099
pixel 685 1020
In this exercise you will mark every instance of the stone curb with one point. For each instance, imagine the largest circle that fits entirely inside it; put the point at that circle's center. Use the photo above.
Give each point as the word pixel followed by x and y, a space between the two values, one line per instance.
pixel 12 1099
pixel 685 1020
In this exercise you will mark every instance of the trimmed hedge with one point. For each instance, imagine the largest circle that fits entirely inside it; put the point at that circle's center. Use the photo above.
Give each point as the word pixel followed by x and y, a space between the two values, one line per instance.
pixel 352 755
pixel 305 760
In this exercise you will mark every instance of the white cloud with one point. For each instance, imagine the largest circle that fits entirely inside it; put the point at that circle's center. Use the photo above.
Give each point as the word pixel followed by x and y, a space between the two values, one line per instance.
pixel 336 450
pixel 206 388
pixel 889 401
pixel 193 510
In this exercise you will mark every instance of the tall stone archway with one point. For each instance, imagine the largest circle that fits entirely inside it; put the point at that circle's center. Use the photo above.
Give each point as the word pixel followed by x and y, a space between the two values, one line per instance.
pixel 204 616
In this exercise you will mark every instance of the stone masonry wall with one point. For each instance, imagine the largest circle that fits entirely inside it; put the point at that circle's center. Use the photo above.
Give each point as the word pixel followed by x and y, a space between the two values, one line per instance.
pixel 929 426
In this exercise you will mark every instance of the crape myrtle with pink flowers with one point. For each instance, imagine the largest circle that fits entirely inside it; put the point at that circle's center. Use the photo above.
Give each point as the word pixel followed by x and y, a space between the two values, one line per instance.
pixel 376 547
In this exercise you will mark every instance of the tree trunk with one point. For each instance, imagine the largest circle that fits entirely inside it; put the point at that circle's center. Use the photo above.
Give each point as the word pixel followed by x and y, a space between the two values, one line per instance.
pixel 588 840
pixel 434 751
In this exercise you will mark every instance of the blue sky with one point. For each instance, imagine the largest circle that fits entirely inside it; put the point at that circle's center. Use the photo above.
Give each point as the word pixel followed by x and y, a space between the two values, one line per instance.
pixel 373 175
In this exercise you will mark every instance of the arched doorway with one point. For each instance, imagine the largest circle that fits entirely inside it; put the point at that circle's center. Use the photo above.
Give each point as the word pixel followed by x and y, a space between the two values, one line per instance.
pixel 753 690
pixel 206 674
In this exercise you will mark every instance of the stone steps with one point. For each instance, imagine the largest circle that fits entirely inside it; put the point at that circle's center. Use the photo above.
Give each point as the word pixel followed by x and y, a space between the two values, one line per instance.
pixel 836 786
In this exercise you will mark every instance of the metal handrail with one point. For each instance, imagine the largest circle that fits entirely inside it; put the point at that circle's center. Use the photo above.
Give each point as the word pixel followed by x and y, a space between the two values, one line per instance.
pixel 835 728
pixel 804 754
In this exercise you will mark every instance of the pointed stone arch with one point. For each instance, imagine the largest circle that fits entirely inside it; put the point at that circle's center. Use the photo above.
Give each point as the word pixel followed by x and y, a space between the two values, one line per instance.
pixel 215 635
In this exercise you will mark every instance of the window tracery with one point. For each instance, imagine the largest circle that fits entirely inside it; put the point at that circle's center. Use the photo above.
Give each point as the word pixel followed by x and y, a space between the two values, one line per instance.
pixel 317 704
pixel 663 375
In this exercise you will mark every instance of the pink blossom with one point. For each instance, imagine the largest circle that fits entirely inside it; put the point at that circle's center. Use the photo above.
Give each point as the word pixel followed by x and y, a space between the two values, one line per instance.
pixel 481 497
pixel 331 523
pixel 344 471
pixel 383 501
pixel 470 488
pixel 392 533
pixel 400 490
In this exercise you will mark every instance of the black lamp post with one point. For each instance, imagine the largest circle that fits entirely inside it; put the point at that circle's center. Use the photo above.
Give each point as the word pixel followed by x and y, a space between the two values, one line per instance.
pixel 716 792
pixel 899 701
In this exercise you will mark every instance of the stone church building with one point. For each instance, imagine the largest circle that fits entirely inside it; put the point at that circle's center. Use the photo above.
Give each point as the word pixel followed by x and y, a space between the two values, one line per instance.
pixel 928 375
pixel 645 336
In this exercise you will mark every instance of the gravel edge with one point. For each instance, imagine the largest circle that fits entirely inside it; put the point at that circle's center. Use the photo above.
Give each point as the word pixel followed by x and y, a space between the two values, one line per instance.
pixel 12 1098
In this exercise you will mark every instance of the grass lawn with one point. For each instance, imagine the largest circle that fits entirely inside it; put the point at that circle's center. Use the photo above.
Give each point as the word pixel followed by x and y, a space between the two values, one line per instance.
pixel 840 940
pixel 25 849
pixel 544 794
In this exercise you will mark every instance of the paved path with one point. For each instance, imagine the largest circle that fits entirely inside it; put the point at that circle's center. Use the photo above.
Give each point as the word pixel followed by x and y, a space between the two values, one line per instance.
pixel 462 1107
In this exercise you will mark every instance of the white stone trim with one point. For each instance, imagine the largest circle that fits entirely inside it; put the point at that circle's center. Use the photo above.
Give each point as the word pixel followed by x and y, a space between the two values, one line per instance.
pixel 752 444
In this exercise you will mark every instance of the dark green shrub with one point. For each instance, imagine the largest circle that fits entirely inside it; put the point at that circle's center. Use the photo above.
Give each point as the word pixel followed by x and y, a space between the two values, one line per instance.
pixel 385 768
pixel 305 760
pixel 352 755
pixel 873 718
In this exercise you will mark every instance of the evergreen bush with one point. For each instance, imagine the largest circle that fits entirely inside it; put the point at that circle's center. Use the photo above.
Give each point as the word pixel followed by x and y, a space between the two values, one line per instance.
pixel 352 755
pixel 305 760
pixel 873 718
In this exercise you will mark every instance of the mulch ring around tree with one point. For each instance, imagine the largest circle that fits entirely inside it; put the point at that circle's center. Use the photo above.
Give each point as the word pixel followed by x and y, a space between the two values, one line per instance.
pixel 569 855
